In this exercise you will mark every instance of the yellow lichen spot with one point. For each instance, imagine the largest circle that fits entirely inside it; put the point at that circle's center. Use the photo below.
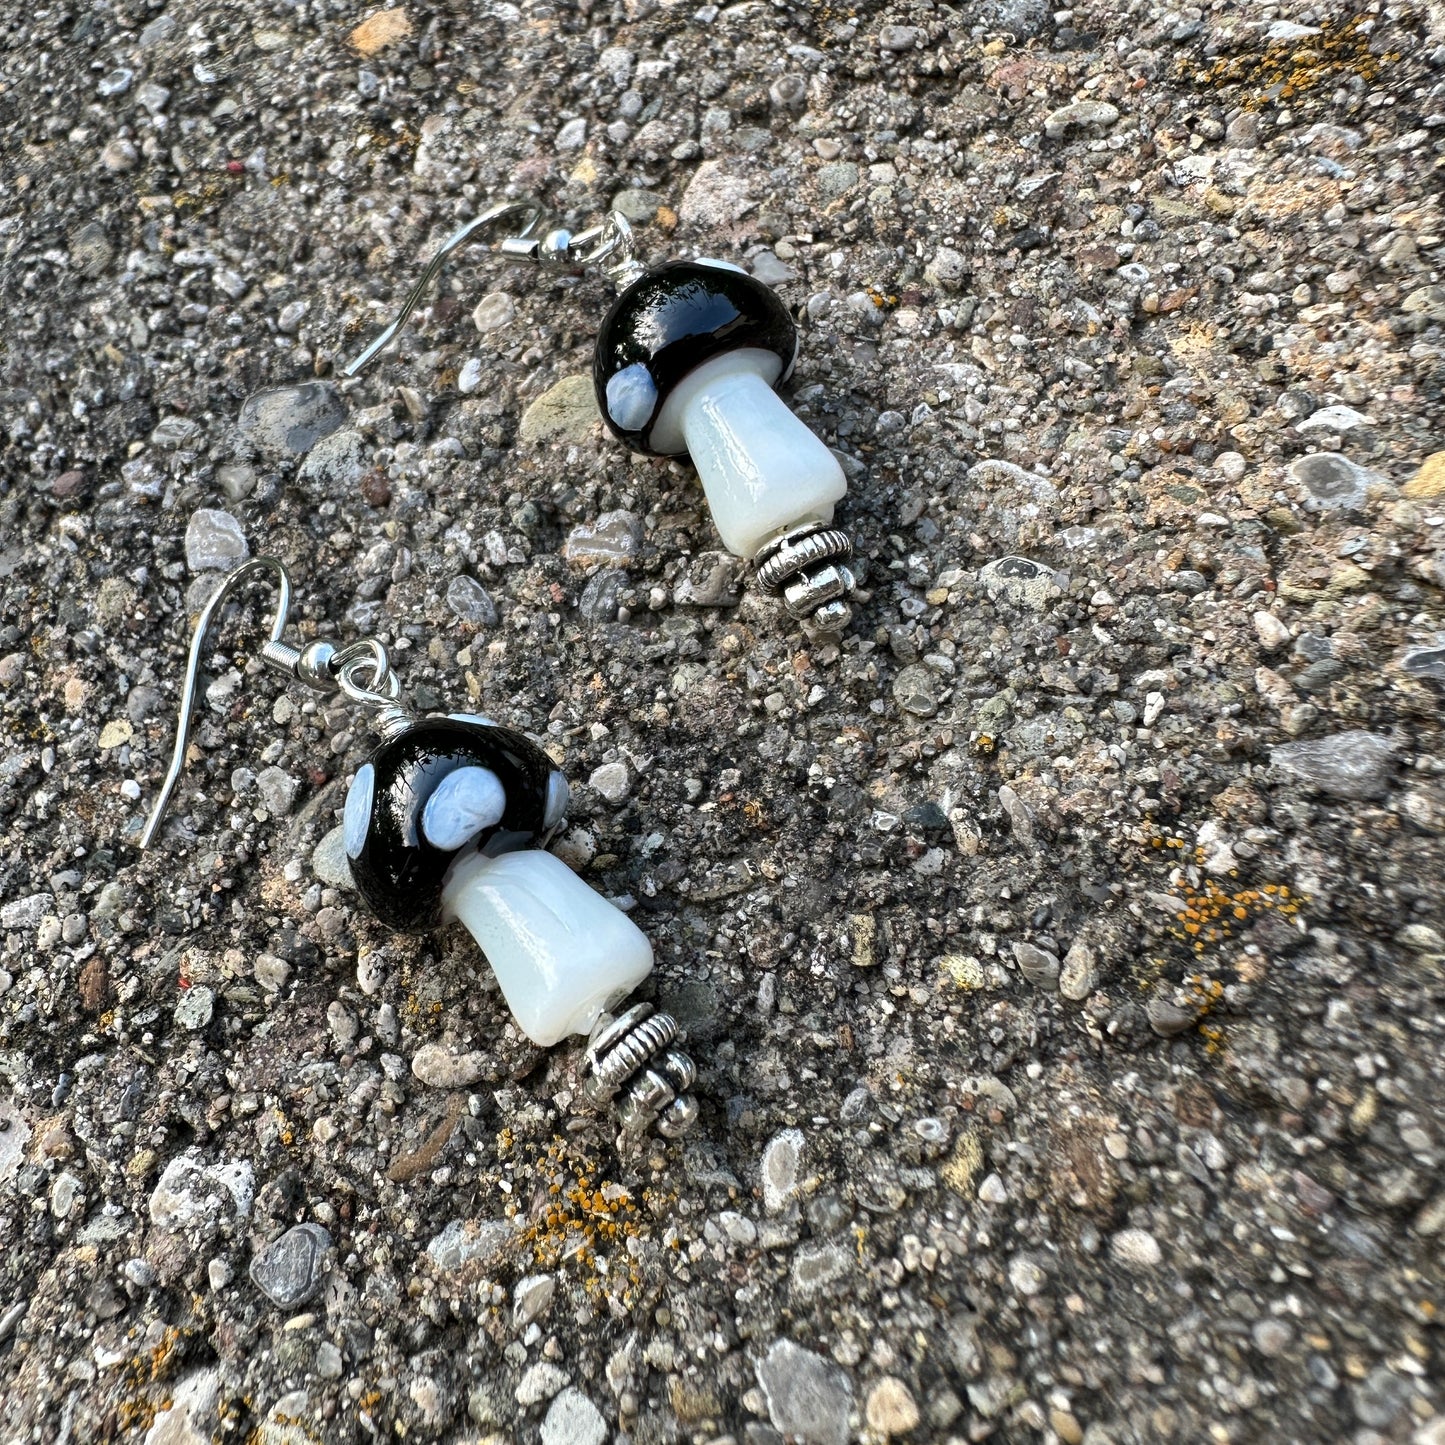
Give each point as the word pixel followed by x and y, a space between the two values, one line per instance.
pixel 964 1163
pixel 965 971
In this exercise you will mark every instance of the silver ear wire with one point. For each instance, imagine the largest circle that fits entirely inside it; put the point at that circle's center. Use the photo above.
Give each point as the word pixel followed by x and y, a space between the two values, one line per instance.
pixel 193 672
pixel 609 245
pixel 321 666
pixel 534 214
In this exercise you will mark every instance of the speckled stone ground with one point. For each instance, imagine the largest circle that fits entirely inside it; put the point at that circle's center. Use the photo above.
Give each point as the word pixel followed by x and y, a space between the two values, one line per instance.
pixel 1061 946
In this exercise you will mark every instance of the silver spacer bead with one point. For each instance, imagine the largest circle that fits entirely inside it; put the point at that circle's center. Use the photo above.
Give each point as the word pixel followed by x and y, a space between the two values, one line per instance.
pixel 630 1057
pixel 808 568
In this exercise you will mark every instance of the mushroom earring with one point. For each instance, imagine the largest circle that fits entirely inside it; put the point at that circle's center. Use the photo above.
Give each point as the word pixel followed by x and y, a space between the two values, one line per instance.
pixel 686 365
pixel 449 819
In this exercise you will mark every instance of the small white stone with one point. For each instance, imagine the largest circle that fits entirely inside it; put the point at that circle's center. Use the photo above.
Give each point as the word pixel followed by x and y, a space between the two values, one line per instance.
pixel 214 541
pixel 218 1271
pixel 469 378
pixel 531 1296
pixel 1025 1275
pixel 1136 1247
pixel 1273 634
pixel 1333 419
pixel 494 310
pixel 611 781
pixel 993 1191
pixel 573 135
pixel 573 1420
pixel 439 1068
pixel 780 1164
pixel 540 1382
pixel 1230 465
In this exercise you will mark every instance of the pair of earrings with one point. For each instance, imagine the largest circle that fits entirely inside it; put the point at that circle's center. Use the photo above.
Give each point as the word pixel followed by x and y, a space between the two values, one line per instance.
pixel 451 815
pixel 685 365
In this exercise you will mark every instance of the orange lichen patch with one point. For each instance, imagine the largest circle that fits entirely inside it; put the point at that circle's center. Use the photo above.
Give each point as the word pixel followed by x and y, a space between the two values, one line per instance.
pixel 378 31
pixel 1211 912
pixel 577 1219
pixel 1286 70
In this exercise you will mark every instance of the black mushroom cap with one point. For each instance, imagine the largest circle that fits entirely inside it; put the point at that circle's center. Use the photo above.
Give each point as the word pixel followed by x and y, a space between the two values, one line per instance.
pixel 667 323
pixel 397 870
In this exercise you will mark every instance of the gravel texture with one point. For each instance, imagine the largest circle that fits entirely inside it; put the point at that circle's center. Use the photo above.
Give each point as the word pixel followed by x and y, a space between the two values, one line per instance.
pixel 1062 946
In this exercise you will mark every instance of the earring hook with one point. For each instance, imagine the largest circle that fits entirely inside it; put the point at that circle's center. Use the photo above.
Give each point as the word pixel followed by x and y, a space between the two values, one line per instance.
pixel 193 669
pixel 459 238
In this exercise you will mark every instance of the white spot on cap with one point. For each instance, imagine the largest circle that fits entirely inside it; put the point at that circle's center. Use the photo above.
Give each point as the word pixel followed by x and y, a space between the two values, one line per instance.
pixel 464 802
pixel 473 717
pixel 631 397
pixel 558 796
pixel 357 817
pixel 719 265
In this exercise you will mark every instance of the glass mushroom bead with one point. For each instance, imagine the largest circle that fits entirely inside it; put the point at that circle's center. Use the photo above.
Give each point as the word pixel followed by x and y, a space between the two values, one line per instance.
pixel 448 820
pixel 686 362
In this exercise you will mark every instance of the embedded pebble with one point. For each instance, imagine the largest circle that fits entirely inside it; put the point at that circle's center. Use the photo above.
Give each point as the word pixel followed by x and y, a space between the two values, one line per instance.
pixel 470 601
pixel 915 691
pixel 890 1408
pixel 807 1396
pixel 714 197
pixel 469 378
pixel 1079 974
pixel 495 310
pixel 289 420
pixel 195 1008
pixel 214 541
pixel 277 790
pixel 189 1192
pixel 1332 481
pixel 780 1164
pixel 1022 581
pixel 1086 114
pixel 290 1270
pixel 712 579
pixel 329 861
pixel 530 1297
pixel 572 1419
pixel 1356 765
pixel 612 781
pixel 1136 1248
pixel 565 413
pixel 335 460
pixel 1333 419
pixel 614 537
pixel 438 1068
pixel 539 1382
pixel 1425 661
pixel 1040 967
pixel 1272 633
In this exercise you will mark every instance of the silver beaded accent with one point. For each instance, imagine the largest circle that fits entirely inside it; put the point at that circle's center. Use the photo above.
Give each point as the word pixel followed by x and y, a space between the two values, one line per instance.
pixel 630 1056
pixel 808 568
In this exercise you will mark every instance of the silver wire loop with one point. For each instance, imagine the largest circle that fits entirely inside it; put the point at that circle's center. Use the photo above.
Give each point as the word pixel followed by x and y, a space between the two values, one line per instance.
pixel 609 246
pixel 360 671
pixel 362 659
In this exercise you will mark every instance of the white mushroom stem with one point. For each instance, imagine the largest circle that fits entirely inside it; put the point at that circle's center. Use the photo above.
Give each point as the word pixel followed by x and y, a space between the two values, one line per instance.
pixel 562 954
pixel 762 469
